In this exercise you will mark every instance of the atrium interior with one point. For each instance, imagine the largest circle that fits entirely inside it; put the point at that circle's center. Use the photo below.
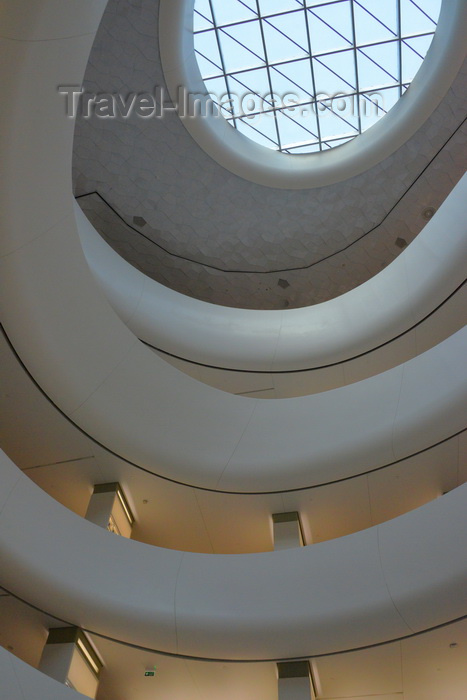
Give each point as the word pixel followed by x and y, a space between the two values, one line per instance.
pixel 233 445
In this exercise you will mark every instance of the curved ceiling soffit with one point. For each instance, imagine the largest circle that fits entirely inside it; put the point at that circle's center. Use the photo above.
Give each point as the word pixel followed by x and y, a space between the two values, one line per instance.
pixel 196 209
pixel 381 309
pixel 435 443
pixel 36 230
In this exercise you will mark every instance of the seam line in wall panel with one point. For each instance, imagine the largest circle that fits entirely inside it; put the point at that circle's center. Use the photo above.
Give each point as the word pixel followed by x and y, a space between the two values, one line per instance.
pixel 459 461
pixel 18 682
pixel 396 411
pixel 31 241
pixel 369 499
pixel 11 491
pixel 238 442
pixel 387 586
pixel 175 599
pixel 105 379
pixel 204 522
pixel 402 666
pixel 44 41
pixel 55 464
pixel 276 347
pixel 138 303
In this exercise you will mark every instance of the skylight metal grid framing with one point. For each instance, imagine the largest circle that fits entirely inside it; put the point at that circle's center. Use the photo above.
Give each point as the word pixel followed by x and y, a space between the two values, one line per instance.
pixel 317 135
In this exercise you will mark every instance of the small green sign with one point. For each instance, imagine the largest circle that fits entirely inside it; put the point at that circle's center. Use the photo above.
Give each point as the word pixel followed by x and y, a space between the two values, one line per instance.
pixel 149 673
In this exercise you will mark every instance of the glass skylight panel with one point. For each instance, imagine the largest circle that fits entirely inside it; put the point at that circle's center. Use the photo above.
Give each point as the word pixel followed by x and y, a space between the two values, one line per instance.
pixel 332 79
pixel 272 7
pixel 242 46
pixel 370 26
pixel 415 19
pixel 386 14
pixel 373 108
pixel 309 148
pixel 332 143
pixel 202 16
pixel 288 81
pixel 413 51
pixel 333 125
pixel 295 131
pixel 268 128
pixel 209 48
pixel 321 59
pixel 254 82
pixel 230 12
pixel 330 27
pixel 217 89
pixel 285 37
pixel 411 60
pixel 208 68
pixel 200 22
pixel 378 66
pixel 390 97
pixel 267 136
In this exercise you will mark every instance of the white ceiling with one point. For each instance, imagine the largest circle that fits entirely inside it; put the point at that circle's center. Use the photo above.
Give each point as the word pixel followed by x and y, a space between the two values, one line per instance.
pixel 197 210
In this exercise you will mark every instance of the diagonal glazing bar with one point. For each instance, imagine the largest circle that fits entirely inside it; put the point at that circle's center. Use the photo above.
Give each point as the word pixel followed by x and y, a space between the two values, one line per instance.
pixel 385 61
pixel 313 77
pixel 221 53
pixel 399 48
pixel 268 70
pixel 417 5
pixel 357 77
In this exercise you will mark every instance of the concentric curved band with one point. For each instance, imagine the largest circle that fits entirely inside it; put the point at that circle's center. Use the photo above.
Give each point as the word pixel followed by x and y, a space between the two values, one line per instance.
pixel 373 586
pixel 376 585
pixel 101 376
pixel 420 279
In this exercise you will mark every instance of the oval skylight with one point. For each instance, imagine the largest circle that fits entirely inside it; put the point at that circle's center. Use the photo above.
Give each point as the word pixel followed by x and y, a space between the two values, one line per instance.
pixel 302 76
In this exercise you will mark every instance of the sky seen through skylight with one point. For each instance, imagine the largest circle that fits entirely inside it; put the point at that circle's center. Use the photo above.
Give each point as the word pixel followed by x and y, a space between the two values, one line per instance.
pixel 302 76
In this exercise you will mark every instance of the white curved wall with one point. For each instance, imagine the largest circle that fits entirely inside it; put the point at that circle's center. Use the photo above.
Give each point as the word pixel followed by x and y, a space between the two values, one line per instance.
pixel 101 376
pixel 447 319
pixel 403 576
pixel 19 681
pixel 383 583
pixel 420 279
pixel 33 432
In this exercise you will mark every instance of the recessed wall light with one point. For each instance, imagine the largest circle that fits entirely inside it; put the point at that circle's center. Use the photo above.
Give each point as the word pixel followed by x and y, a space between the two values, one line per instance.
pixel 428 213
